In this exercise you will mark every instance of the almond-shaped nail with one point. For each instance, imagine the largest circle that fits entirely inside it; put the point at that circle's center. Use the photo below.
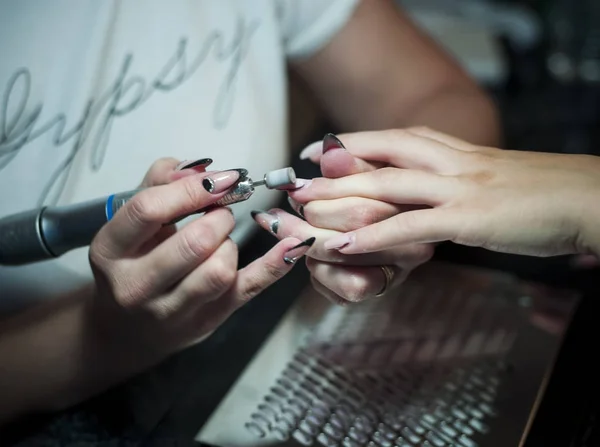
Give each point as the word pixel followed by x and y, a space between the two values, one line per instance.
pixel 330 141
pixel 298 207
pixel 220 181
pixel 268 221
pixel 299 183
pixel 339 242
pixel 311 150
pixel 187 164
pixel 295 253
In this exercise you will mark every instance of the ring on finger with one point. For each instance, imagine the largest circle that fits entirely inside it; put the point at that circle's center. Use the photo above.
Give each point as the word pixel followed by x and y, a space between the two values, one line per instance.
pixel 389 273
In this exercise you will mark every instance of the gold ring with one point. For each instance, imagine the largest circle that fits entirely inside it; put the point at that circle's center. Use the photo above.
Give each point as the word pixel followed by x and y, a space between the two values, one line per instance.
pixel 389 273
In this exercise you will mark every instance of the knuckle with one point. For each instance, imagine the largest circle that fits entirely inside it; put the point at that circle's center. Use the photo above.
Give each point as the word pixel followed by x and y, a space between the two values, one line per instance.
pixel 220 275
pixel 192 191
pixel 426 252
pixel 355 288
pixel 129 294
pixel 143 208
pixel 197 243
pixel 407 222
pixel 387 175
pixel 98 253
pixel 419 129
pixel 364 215
pixel 398 133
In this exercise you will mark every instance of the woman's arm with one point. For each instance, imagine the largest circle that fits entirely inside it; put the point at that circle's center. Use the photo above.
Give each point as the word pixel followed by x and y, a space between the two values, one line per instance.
pixel 529 203
pixel 381 72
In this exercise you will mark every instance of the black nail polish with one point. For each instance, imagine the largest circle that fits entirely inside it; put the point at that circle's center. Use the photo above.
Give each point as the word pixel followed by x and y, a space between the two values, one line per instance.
pixel 243 172
pixel 204 162
pixel 296 252
pixel 271 220
pixel 330 141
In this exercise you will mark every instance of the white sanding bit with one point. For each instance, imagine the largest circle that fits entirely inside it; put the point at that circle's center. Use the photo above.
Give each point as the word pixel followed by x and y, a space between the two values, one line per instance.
pixel 277 179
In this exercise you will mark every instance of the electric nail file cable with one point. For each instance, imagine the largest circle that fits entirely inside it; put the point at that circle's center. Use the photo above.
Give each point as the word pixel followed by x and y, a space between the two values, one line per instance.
pixel 49 232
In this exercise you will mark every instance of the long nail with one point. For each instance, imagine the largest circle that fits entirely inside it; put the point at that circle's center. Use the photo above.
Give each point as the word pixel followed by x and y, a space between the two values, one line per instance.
pixel 339 242
pixel 311 150
pixel 186 164
pixel 330 141
pixel 300 183
pixel 221 181
pixel 268 221
pixel 299 208
pixel 295 253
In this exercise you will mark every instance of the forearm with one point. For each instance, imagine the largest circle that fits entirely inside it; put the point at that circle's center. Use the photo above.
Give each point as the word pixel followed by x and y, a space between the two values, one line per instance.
pixel 57 354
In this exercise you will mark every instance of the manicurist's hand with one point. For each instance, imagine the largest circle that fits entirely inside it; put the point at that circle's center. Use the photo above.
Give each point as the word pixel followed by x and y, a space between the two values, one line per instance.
pixel 170 288
pixel 156 290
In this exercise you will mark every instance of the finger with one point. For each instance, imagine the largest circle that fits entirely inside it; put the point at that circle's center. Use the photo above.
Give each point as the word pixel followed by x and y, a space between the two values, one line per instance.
pixel 328 293
pixel 339 163
pixel 206 283
pixel 347 213
pixel 421 226
pixel 282 224
pixel 160 173
pixel 393 185
pixel 402 148
pixel 352 283
pixel 176 257
pixel 142 216
pixel 272 266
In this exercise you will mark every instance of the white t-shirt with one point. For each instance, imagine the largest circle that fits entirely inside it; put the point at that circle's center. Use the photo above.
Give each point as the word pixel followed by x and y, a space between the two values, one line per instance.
pixel 92 92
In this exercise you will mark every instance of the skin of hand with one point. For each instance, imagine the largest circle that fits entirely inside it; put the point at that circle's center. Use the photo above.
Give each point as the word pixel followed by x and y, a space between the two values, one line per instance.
pixel 353 278
pixel 156 290
pixel 175 287
pixel 528 203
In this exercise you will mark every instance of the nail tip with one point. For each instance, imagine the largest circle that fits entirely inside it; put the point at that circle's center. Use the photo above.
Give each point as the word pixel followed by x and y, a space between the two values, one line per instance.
pixel 330 141
pixel 204 162
pixel 243 172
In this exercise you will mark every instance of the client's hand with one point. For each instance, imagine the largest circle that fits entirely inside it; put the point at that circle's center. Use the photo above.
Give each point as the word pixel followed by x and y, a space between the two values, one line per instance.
pixel 344 279
pixel 511 201
pixel 162 289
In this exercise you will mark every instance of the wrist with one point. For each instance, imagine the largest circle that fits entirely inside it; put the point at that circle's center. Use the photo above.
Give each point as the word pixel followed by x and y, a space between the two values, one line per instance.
pixel 122 337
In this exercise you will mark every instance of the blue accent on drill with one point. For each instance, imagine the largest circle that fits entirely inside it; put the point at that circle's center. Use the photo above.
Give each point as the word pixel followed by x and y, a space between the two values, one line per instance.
pixel 109 207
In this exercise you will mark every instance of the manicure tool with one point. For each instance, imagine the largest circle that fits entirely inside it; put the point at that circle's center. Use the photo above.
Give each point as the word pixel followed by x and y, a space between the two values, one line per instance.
pixel 49 232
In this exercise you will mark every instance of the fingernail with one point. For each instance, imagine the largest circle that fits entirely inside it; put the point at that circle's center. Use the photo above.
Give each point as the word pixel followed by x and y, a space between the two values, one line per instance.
pixel 268 221
pixel 295 253
pixel 221 181
pixel 330 141
pixel 339 242
pixel 186 164
pixel 300 183
pixel 311 150
pixel 299 208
